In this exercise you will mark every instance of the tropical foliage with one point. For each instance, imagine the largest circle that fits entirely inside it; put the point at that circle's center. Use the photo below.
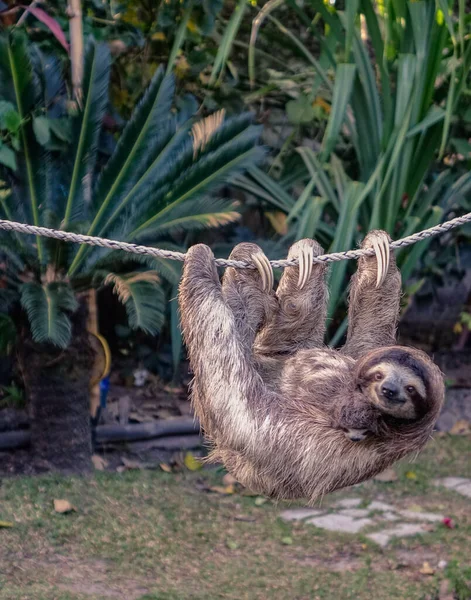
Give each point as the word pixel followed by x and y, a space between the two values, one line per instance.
pixel 63 170
pixel 392 78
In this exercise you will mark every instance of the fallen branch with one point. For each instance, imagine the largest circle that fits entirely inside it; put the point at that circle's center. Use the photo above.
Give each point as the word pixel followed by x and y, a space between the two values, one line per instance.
pixel 180 426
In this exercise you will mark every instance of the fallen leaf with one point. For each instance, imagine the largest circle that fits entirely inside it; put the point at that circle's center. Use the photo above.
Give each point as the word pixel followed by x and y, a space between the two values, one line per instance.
pixel 99 462
pixel 415 508
pixel 461 427
pixel 165 467
pixel 448 523
pixel 387 476
pixel 260 500
pixel 411 475
pixel 287 541
pixel 63 506
pixel 131 464
pixel 245 518
pixel 229 479
pixel 192 463
pixel 226 490
pixel 5 524
pixel 427 569
pixel 232 545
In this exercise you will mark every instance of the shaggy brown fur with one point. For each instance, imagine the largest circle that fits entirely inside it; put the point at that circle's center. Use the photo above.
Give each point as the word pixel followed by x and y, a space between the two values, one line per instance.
pixel 273 401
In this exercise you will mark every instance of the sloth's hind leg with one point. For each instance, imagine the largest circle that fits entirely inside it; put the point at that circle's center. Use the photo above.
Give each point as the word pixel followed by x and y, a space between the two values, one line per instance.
pixel 374 299
pixel 249 292
pixel 299 322
pixel 227 388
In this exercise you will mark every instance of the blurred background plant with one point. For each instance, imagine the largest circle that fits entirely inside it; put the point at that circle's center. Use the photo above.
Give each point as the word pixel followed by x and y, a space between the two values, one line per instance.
pixel 365 107
pixel 64 170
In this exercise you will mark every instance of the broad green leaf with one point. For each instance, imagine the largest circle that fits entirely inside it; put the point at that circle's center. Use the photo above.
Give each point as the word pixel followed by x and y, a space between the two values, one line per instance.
pixel 7 157
pixel 300 111
pixel 41 130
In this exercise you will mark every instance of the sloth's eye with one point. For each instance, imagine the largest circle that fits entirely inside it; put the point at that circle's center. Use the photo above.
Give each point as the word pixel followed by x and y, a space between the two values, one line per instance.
pixel 378 376
pixel 410 389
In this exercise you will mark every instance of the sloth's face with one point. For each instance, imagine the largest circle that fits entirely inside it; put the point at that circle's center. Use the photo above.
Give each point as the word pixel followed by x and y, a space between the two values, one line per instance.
pixel 395 390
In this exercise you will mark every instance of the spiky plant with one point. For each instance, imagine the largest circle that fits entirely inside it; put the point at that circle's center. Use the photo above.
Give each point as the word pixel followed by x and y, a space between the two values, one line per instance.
pixel 158 182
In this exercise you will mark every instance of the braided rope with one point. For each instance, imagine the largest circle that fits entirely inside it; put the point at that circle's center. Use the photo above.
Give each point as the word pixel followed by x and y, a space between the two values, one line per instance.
pixel 68 236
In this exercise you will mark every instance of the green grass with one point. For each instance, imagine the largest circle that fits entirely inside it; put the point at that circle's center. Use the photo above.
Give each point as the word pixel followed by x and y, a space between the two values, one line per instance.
pixel 147 535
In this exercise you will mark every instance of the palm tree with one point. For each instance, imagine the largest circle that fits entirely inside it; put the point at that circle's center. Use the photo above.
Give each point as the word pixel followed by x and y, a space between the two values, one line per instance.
pixel 159 180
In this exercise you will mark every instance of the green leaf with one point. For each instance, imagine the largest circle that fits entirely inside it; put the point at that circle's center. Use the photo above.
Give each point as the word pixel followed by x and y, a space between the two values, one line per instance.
pixel 8 157
pixel 145 136
pixel 48 307
pixel 7 333
pixel 86 127
pixel 9 117
pixel 300 111
pixel 17 85
pixel 143 298
pixel 41 130
pixel 344 78
pixel 179 37
pixel 227 40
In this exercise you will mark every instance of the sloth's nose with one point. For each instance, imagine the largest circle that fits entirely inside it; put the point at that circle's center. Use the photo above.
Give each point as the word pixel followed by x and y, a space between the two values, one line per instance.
pixel 391 391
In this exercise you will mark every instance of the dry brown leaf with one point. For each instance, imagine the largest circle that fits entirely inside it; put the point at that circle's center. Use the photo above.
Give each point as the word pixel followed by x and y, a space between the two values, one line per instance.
pixel 461 427
pixel 63 506
pixel 387 476
pixel 427 569
pixel 165 467
pixel 99 462
pixel 132 464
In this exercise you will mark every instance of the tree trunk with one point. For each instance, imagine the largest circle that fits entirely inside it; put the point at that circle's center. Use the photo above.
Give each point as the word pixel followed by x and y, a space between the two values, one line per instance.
pixel 57 385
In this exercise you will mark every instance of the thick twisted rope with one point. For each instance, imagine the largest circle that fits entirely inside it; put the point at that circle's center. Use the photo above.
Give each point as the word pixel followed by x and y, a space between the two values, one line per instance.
pixel 68 236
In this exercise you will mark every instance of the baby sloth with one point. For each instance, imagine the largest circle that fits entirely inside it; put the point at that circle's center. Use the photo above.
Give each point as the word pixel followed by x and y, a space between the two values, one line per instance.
pixel 288 416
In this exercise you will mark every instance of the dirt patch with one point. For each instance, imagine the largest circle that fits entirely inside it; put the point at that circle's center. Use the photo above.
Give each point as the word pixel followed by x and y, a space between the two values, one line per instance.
pixel 86 577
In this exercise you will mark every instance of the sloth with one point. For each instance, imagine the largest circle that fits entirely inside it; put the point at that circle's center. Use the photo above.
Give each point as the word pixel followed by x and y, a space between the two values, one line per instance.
pixel 288 416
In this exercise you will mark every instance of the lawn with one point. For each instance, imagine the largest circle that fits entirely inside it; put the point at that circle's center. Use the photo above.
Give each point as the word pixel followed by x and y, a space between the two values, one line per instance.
pixel 151 535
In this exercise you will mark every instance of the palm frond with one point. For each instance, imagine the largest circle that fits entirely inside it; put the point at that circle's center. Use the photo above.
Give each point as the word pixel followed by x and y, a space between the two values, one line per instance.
pixel 143 298
pixel 208 172
pixel 144 137
pixel 86 128
pixel 203 130
pixel 201 213
pixel 48 307
pixel 21 89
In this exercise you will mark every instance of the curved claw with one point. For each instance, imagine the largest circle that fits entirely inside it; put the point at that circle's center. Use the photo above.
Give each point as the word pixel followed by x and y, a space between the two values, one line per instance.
pixel 265 269
pixel 382 251
pixel 305 265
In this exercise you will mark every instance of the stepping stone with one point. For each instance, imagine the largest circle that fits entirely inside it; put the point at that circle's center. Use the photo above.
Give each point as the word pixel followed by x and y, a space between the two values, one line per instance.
pixel 377 505
pixel 389 516
pixel 356 513
pixel 402 530
pixel 457 484
pixel 349 502
pixel 421 516
pixel 341 523
pixel 298 514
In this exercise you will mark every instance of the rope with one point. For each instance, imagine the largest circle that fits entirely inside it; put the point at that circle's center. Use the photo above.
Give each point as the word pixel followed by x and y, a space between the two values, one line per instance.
pixel 68 236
